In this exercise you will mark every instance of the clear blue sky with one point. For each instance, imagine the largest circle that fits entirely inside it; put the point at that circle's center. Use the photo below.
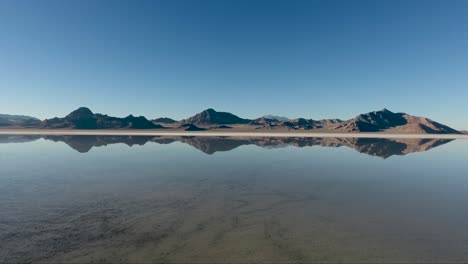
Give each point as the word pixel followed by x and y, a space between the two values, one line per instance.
pixel 174 58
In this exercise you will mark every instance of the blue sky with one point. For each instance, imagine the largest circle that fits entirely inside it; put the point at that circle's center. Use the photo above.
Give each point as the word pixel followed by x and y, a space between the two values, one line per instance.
pixel 174 58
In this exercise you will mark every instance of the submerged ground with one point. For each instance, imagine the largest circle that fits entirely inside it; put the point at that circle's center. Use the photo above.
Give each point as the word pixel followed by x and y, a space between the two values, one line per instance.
pixel 278 203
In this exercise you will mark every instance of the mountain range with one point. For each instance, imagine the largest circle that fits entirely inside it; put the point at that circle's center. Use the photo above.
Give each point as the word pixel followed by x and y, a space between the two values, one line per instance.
pixel 377 121
pixel 83 118
pixel 13 120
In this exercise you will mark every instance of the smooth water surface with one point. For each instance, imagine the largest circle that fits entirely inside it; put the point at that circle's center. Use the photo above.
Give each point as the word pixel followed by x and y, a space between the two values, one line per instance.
pixel 194 199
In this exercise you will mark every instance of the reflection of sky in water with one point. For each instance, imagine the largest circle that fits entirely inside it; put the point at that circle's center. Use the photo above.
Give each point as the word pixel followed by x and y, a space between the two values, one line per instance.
pixel 439 170
pixel 418 201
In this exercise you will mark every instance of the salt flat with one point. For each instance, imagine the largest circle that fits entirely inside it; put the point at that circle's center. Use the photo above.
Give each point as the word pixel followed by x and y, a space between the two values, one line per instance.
pixel 219 134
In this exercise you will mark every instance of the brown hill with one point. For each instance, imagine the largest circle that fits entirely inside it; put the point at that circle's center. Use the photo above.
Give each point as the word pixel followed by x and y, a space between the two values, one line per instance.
pixel 385 120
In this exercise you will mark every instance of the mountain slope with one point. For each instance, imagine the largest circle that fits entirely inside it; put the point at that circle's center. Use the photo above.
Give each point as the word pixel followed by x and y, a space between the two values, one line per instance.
pixel 17 120
pixel 385 120
pixel 212 117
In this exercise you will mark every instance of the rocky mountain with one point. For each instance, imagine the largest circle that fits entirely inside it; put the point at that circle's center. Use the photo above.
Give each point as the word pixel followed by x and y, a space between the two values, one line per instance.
pixel 377 121
pixel 164 120
pixel 83 118
pixel 17 120
pixel 385 120
pixel 212 117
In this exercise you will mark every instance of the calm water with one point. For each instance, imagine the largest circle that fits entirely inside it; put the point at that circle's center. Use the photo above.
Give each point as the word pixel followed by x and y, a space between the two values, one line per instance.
pixel 176 199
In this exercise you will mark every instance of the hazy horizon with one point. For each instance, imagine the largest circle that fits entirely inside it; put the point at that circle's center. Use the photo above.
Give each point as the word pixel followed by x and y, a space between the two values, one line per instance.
pixel 312 59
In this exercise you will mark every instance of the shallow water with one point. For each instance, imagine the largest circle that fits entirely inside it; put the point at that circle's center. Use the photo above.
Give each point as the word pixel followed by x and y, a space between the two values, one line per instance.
pixel 194 199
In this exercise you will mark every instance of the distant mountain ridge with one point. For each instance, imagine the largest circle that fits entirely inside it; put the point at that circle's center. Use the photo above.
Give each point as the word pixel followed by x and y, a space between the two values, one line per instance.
pixel 83 118
pixel 12 120
pixel 279 118
pixel 377 121
pixel 165 120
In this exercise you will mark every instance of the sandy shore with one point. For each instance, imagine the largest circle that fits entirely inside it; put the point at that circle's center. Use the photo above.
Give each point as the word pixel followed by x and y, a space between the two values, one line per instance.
pixel 220 133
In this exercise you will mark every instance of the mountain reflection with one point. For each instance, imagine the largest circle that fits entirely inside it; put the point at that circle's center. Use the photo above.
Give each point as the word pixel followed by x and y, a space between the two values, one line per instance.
pixel 379 147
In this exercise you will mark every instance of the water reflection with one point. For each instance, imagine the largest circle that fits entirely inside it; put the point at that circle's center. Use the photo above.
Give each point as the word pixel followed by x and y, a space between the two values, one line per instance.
pixel 17 139
pixel 172 204
pixel 378 147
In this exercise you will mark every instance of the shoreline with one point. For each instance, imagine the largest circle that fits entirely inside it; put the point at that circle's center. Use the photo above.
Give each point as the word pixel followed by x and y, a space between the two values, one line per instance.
pixel 39 132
